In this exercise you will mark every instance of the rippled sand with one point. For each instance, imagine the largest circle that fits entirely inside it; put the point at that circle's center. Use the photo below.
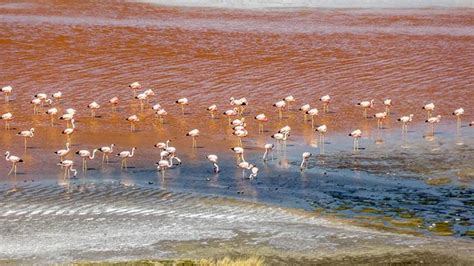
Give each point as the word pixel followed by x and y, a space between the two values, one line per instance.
pixel 92 51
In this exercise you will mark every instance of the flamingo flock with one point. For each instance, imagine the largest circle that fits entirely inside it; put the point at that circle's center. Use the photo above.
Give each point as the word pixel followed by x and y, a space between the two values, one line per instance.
pixel 236 121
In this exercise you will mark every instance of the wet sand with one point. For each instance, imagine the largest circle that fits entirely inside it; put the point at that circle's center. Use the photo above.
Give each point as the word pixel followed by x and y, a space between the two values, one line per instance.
pixel 92 51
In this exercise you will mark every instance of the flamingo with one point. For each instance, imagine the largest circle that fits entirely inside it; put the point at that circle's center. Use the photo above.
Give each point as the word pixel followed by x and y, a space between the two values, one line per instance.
pixel 289 99
pixel 132 119
pixel 280 105
pixel 240 103
pixel 149 93
pixel 26 134
pixel 7 117
pixel 458 113
pixel 230 113
pixel 366 105
pixel 312 112
pixel 68 164
pixel 14 160
pixel 239 151
pixel 67 117
pixel 356 135
pixel 182 102
pixel 213 159
pixel 93 106
pixel 85 154
pixel 254 172
pixel 35 102
pixel 280 137
pixel 68 131
pixel 135 86
pixel 193 133
pixel 241 134
pixel 7 90
pixel 161 113
pixel 41 96
pixel 326 100
pixel 432 121
pixel 305 108
pixel 304 162
pixel 405 120
pixel 142 97
pixel 63 152
pixel 52 112
pixel 388 104
pixel 162 165
pixel 261 118
pixel 429 108
pixel 245 166
pixel 268 149
pixel 172 152
pixel 238 122
pixel 156 107
pixel 114 102
pixel 322 129
pixel 380 118
pixel 57 95
pixel 124 155
pixel 106 151
pixel 212 109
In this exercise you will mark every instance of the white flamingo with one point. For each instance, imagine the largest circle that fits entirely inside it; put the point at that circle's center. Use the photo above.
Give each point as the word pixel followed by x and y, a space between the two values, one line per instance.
pixel 106 151
pixel 182 102
pixel 135 86
pixel 132 119
pixel 230 113
pixel 280 105
pixel 239 151
pixel 261 118
pixel 57 95
pixel 36 103
pixel 14 160
pixel 212 109
pixel 388 104
pixel 114 101
pixel 63 152
pixel 213 159
pixel 68 117
pixel 433 120
pixel 429 108
pixel 142 97
pixel 268 149
pixel 380 118
pixel 242 133
pixel 458 113
pixel 194 134
pixel 85 154
pixel 325 100
pixel 7 90
pixel 124 155
pixel 405 120
pixel 289 99
pixel 26 134
pixel 322 129
pixel 161 113
pixel 7 117
pixel 162 165
pixel 312 112
pixel 304 162
pixel 305 108
pixel 68 131
pixel 253 172
pixel 366 105
pixel 245 166
pixel 52 112
pixel 68 164
pixel 356 135
pixel 93 106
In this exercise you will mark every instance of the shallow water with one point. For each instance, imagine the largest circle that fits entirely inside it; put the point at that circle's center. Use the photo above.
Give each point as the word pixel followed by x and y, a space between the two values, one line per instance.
pixel 418 186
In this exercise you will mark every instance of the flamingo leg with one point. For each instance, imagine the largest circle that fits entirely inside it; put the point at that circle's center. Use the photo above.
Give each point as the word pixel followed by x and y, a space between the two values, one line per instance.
pixel 15 168
pixel 312 121
pixel 25 142
pixel 11 170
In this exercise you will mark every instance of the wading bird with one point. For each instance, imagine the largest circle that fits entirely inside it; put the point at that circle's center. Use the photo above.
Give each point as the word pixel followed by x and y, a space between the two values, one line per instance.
pixel 305 108
pixel 312 112
pixel 429 108
pixel 114 102
pixel 280 105
pixel 253 172
pixel 239 151
pixel 458 113
pixel 7 90
pixel 212 109
pixel 268 150
pixel 245 166
pixel 63 152
pixel 261 118
pixel 289 99
pixel 326 100
pixel 432 121
pixel 124 155
pixel 68 164
pixel 106 151
pixel 132 119
pixel 68 131
pixel 52 112
pixel 161 114
pixel 230 113
pixel 405 120
pixel 356 135
pixel 142 97
pixel 213 159
pixel 135 86
pixel 366 105
pixel 194 134
pixel 388 104
pixel 7 117
pixel 57 95
pixel 85 154
pixel 182 102
pixel 14 160
pixel 322 129
pixel 36 103
pixel 162 165
pixel 380 118
pixel 93 106
pixel 26 134
pixel 304 162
